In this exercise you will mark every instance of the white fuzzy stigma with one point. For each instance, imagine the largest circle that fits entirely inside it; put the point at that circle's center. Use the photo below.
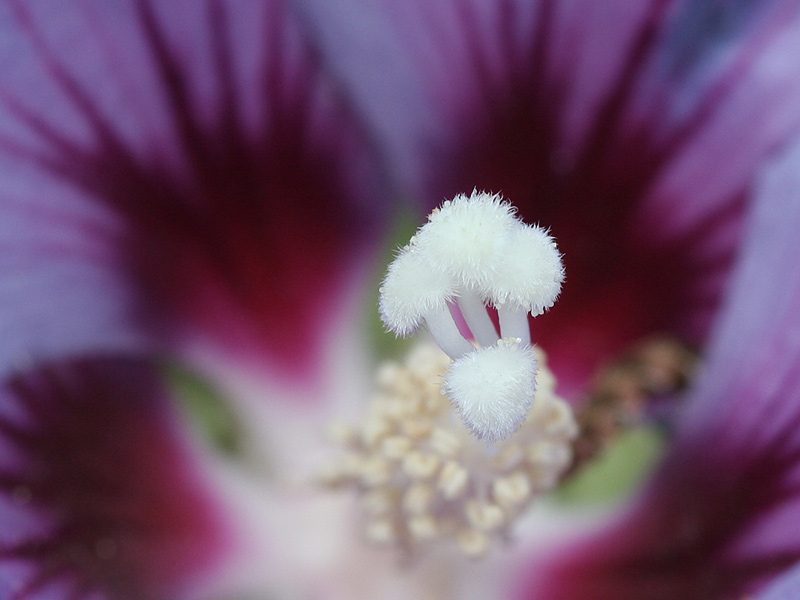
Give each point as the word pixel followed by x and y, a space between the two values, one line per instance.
pixel 474 252
pixel 411 290
pixel 528 271
pixel 493 388
pixel 465 236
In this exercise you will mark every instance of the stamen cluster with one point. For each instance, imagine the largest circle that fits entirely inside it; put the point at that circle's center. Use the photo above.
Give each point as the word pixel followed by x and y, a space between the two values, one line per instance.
pixel 474 252
pixel 422 476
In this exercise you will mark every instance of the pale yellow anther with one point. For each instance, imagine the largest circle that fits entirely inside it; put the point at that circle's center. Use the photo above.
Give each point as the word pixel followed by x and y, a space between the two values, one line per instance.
pixel 435 402
pixel 418 498
pixel 395 409
pixel 390 376
pixel 378 502
pixel 404 407
pixel 473 544
pixel 351 464
pixel 416 427
pixel 375 471
pixel 374 430
pixel 381 531
pixel 422 477
pixel 445 442
pixel 484 516
pixel 545 380
pixel 560 423
pixel 512 490
pixel 427 364
pixel 420 465
pixel 549 456
pixel 542 478
pixel 453 480
pixel 422 527
pixel 396 446
pixel 509 457
pixel 540 453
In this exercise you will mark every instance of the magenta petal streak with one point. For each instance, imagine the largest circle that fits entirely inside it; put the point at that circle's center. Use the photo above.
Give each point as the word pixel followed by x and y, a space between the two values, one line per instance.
pixel 237 173
pixel 102 492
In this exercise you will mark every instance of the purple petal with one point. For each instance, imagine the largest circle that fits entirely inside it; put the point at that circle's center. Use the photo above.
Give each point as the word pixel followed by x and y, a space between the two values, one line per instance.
pixel 719 518
pixel 243 186
pixel 787 587
pixel 609 122
pixel 101 492
pixel 61 288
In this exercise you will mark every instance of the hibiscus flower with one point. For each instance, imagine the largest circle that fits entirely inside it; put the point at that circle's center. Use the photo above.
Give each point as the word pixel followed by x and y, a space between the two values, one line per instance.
pixel 199 188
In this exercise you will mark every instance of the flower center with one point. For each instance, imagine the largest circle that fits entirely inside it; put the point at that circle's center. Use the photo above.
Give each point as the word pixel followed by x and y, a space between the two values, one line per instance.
pixel 421 475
